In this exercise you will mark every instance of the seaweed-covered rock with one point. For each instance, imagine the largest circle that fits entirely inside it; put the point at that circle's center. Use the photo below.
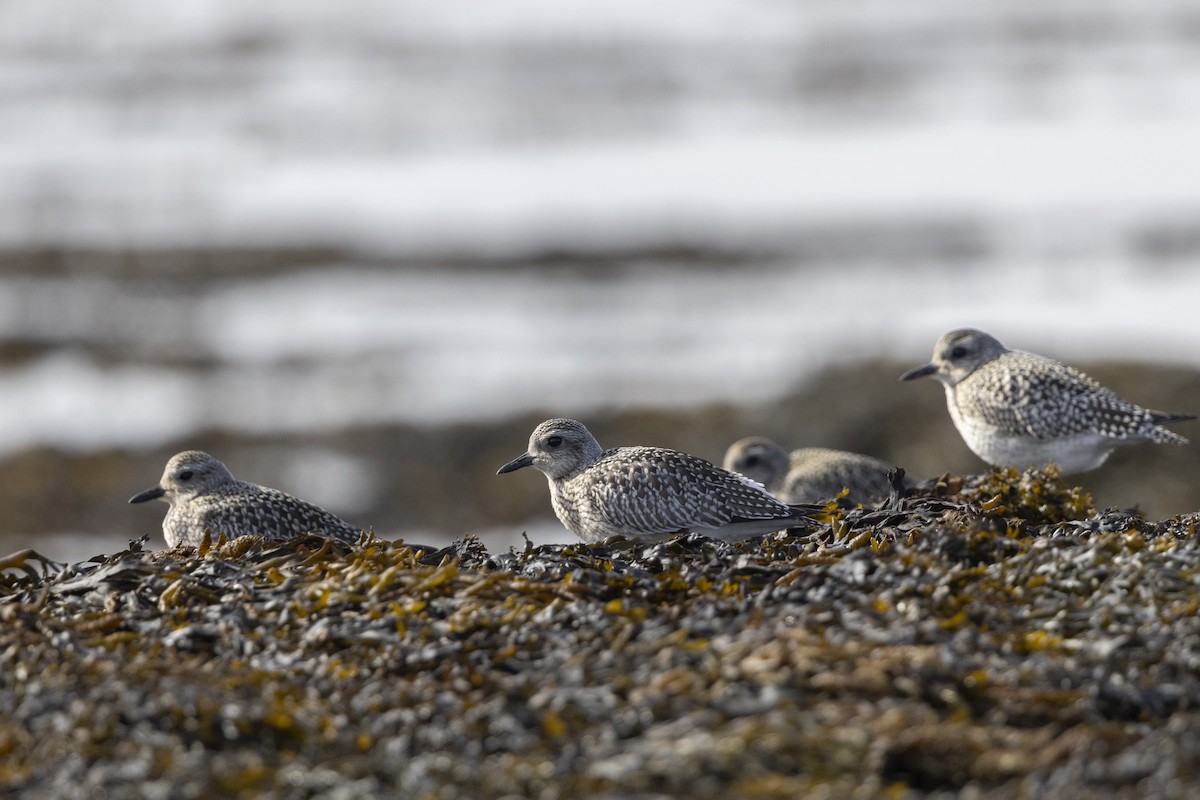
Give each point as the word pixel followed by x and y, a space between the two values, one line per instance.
pixel 994 635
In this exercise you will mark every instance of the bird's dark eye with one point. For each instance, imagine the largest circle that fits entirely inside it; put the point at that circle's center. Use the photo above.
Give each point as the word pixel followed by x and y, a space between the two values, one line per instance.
pixel 554 441
pixel 186 475
pixel 958 352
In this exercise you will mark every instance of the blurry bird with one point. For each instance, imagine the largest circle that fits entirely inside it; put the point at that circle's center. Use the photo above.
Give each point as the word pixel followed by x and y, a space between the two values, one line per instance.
pixel 810 474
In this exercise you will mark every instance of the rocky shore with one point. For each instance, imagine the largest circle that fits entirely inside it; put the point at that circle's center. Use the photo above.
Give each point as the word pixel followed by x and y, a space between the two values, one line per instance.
pixel 987 637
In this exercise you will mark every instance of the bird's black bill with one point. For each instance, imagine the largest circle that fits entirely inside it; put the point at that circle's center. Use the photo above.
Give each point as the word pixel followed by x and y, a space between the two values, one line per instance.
pixel 152 493
pixel 919 372
pixel 515 464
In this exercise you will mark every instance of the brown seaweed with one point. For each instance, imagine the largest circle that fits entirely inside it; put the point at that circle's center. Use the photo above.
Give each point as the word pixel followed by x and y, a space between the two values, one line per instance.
pixel 993 634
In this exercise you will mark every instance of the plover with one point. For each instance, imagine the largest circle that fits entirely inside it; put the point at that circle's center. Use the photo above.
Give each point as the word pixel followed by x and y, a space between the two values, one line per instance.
pixel 204 496
pixel 810 474
pixel 647 492
pixel 1018 409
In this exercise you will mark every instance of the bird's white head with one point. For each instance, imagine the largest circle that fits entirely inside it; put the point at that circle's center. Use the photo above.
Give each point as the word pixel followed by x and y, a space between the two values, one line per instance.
pixel 958 354
pixel 559 448
pixel 188 474
pixel 757 458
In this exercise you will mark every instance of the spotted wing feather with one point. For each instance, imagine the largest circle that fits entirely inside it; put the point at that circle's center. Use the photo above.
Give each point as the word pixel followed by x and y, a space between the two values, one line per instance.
pixel 659 491
pixel 819 474
pixel 1034 396
pixel 241 509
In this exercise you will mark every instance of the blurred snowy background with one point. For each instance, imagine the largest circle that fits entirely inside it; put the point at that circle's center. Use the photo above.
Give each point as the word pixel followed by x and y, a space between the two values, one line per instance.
pixel 358 250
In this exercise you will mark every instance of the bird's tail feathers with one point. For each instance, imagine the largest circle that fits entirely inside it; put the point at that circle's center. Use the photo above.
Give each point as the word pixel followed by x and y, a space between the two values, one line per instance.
pixel 1160 417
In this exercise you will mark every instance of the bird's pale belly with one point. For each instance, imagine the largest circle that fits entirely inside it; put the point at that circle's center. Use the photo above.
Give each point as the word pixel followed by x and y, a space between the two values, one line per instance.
pixel 1077 452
